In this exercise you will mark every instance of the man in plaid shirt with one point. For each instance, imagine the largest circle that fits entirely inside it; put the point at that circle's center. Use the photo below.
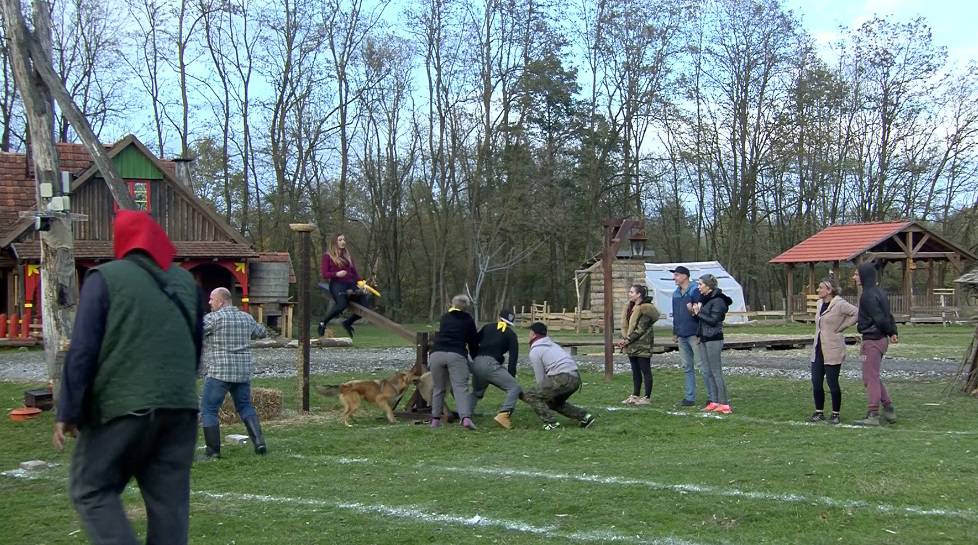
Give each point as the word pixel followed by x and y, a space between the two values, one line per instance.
pixel 227 358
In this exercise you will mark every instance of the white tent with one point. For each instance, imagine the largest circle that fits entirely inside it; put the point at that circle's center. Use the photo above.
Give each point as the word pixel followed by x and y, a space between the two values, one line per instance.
pixel 662 286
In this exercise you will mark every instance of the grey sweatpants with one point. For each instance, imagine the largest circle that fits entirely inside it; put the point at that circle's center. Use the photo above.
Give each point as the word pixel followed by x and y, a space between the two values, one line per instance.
pixel 485 371
pixel 449 368
pixel 713 371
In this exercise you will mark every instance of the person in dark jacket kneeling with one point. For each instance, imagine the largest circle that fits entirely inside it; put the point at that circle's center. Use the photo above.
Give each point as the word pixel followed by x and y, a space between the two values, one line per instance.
pixel 710 313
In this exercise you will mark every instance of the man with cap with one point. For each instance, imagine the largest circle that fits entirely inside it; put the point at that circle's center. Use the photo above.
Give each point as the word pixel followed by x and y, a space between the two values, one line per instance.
pixel 495 341
pixel 557 379
pixel 129 387
pixel 684 327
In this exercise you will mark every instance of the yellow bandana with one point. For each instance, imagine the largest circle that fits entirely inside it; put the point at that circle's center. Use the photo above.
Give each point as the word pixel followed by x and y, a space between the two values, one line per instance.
pixel 454 309
pixel 501 325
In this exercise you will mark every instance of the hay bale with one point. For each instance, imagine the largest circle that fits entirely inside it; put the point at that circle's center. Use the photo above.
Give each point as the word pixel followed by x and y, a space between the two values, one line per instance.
pixel 267 402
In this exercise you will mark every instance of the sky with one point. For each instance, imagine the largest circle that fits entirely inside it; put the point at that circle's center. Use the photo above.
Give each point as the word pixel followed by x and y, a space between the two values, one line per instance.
pixel 953 22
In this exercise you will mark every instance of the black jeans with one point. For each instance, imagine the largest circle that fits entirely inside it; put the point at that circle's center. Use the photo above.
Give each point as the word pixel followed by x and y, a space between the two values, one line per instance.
pixel 157 448
pixel 641 373
pixel 830 373
pixel 343 293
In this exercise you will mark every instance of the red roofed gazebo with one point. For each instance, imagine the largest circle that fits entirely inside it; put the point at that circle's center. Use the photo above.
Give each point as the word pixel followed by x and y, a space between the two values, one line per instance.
pixel 907 242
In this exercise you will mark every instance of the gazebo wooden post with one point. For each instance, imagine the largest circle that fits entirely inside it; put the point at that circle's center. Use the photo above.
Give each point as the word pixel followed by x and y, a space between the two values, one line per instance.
pixel 908 275
pixel 836 272
pixel 789 289
pixel 811 278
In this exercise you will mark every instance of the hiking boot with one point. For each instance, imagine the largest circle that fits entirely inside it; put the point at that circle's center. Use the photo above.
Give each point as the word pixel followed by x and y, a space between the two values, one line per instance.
pixel 872 419
pixel 467 423
pixel 889 414
pixel 817 416
pixel 550 426
pixel 835 420
pixel 321 329
pixel 710 407
pixel 723 409
pixel 630 400
pixel 588 420
pixel 642 401
pixel 687 403
pixel 504 420
pixel 435 422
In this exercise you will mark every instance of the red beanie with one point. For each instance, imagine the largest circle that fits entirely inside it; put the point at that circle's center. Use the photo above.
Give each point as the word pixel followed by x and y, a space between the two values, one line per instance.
pixel 136 230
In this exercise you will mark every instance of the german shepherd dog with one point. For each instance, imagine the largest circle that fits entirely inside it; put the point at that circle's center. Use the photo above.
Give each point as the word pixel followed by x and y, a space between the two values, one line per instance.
pixel 379 392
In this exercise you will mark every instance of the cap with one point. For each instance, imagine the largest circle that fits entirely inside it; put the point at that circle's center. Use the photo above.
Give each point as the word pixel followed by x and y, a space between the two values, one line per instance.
pixel 681 270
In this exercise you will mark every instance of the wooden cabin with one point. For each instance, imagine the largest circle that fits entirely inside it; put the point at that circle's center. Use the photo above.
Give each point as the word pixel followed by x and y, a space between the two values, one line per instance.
pixel 206 244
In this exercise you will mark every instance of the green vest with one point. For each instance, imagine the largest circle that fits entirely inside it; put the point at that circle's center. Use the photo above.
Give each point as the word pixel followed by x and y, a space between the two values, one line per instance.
pixel 148 359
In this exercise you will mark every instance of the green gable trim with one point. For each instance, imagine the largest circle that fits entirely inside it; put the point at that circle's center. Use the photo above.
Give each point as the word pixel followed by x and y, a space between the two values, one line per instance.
pixel 133 165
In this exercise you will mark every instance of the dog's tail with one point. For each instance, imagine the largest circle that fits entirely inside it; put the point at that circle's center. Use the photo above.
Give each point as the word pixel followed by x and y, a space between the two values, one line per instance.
pixel 328 390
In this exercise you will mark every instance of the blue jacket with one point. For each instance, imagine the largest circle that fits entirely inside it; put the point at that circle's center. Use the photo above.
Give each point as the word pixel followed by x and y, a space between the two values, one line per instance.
pixel 683 323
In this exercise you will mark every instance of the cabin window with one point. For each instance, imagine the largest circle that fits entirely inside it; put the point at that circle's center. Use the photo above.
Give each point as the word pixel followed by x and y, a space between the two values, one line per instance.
pixel 140 192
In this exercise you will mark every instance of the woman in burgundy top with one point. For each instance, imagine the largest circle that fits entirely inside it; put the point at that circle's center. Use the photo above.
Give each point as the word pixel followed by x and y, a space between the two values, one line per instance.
pixel 341 272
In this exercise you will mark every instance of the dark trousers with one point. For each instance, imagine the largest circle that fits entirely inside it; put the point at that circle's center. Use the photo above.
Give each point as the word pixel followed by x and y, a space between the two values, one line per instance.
pixel 343 293
pixel 829 373
pixel 552 395
pixel 157 448
pixel 641 373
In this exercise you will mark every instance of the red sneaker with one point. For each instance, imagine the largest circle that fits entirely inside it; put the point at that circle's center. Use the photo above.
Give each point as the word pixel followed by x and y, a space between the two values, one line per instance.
pixel 710 407
pixel 723 409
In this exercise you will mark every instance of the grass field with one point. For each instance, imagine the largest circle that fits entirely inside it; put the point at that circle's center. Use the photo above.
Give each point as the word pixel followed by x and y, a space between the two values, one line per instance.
pixel 640 475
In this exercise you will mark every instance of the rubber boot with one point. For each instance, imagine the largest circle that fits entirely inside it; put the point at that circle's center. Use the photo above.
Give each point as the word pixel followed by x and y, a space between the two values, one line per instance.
pixel 254 432
pixel 212 441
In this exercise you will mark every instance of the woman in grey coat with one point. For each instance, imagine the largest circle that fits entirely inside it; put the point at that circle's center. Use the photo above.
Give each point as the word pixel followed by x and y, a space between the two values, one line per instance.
pixel 710 313
pixel 834 316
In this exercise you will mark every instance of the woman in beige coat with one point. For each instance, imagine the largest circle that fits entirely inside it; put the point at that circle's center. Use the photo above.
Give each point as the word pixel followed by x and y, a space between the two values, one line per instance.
pixel 834 315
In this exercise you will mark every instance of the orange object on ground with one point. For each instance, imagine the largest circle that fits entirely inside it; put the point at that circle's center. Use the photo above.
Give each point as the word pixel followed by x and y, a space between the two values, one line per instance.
pixel 24 413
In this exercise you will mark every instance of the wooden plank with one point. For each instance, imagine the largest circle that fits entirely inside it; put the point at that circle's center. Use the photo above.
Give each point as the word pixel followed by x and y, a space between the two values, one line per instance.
pixel 384 322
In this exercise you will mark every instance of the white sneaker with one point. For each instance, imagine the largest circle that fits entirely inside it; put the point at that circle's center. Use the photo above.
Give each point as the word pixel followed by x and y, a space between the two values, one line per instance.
pixel 630 400
pixel 642 401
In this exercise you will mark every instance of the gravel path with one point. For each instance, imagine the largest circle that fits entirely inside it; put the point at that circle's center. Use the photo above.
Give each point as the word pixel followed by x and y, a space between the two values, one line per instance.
pixel 28 366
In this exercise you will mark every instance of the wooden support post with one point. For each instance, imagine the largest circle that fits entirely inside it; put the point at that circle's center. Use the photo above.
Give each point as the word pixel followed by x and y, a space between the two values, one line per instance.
pixel 811 278
pixel 836 273
pixel 614 232
pixel 908 275
pixel 305 316
pixel 288 320
pixel 790 289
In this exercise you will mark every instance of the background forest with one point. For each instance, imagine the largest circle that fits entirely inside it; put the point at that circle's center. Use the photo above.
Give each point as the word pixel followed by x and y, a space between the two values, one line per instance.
pixel 481 143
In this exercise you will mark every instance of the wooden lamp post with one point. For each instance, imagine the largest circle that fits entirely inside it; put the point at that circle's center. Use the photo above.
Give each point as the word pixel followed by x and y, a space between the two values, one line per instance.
pixel 615 230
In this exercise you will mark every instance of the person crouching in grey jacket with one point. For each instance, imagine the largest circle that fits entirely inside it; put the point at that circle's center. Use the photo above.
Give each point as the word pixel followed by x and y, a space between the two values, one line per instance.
pixel 557 379
pixel 710 313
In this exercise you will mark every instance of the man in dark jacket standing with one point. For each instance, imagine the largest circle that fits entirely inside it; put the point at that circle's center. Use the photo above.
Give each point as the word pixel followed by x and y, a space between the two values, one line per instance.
pixel 878 328
pixel 684 327
pixel 129 387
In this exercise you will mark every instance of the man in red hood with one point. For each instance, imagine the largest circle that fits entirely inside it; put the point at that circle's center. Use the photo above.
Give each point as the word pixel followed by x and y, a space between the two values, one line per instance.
pixel 129 387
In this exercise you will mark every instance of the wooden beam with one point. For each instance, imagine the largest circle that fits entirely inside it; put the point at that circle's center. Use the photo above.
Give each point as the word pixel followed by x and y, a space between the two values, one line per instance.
pixel 305 316
pixel 908 275
pixel 384 322
pixel 811 278
pixel 899 256
pixel 905 247
pixel 920 243
pixel 613 240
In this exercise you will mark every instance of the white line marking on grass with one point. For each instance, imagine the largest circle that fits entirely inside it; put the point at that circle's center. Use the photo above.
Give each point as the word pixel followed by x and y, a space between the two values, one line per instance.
pixel 682 488
pixel 422 514
pixel 715 416
pixel 717 491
